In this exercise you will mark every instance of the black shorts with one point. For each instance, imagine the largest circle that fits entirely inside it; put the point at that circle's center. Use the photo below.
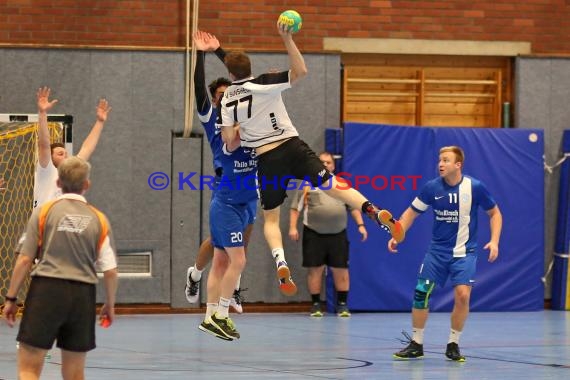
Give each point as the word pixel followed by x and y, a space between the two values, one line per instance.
pixel 290 160
pixel 324 249
pixel 61 310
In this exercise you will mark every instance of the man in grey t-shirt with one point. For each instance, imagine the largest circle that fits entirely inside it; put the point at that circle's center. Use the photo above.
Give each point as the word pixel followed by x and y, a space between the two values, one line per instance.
pixel 71 241
pixel 324 239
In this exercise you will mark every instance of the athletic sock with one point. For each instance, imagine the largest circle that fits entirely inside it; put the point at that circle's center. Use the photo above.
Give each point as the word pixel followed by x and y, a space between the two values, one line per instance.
pixel 278 255
pixel 454 336
pixel 316 298
pixel 418 335
pixel 196 274
pixel 341 297
pixel 210 310
pixel 223 307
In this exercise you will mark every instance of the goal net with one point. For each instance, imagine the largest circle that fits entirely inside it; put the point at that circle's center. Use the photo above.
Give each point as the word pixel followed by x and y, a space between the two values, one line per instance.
pixel 18 157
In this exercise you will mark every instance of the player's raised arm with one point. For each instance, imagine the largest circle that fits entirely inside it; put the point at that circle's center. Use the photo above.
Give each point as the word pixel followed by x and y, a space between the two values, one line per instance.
pixel 90 143
pixel 44 105
pixel 296 61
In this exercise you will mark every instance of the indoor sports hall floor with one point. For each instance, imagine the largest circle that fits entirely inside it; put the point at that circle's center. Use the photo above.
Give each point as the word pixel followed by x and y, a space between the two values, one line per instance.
pixel 522 345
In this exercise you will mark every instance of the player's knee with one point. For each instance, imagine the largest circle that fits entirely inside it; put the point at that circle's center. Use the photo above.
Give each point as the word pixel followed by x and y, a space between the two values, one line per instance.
pixel 422 293
pixel 462 296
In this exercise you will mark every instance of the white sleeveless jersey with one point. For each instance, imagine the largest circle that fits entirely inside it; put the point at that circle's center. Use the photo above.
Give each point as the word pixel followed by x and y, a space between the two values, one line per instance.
pixel 45 184
pixel 256 104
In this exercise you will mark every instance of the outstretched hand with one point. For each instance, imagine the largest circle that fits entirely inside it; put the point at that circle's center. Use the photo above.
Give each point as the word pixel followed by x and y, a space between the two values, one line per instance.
pixel 205 41
pixel 44 104
pixel 103 109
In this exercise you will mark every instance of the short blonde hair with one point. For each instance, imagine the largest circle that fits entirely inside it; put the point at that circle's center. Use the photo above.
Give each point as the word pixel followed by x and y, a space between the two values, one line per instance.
pixel 73 172
pixel 459 155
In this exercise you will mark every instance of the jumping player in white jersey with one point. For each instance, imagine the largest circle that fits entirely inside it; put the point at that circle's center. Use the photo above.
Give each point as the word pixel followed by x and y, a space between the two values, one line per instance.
pixel 455 199
pixel 256 104
pixel 51 155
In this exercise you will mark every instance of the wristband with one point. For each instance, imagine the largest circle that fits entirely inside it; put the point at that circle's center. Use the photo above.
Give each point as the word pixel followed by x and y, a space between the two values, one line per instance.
pixel 360 225
pixel 11 299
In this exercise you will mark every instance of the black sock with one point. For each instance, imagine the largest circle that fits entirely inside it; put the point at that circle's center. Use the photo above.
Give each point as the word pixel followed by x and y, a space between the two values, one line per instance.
pixel 316 298
pixel 341 297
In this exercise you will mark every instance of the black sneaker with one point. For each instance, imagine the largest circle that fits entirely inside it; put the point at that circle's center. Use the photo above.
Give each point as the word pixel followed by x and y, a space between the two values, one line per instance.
pixel 224 325
pixel 316 310
pixel 211 329
pixel 412 351
pixel 192 288
pixel 452 353
pixel 385 220
pixel 342 310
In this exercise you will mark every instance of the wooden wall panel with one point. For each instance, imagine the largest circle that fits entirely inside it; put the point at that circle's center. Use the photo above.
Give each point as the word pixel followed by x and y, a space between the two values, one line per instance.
pixel 425 90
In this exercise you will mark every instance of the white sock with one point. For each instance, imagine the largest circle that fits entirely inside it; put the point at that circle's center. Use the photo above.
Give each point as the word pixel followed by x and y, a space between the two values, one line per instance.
pixel 418 335
pixel 223 308
pixel 278 255
pixel 210 310
pixel 196 274
pixel 454 336
pixel 238 282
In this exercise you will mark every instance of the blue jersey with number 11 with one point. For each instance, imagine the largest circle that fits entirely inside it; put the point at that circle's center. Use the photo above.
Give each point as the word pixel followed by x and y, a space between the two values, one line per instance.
pixel 455 213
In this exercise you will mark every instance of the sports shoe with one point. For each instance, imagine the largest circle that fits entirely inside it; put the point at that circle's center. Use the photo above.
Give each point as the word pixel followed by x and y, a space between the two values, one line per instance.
pixel 224 325
pixel 237 300
pixel 316 310
pixel 412 351
pixel 452 353
pixel 210 329
pixel 342 310
pixel 286 284
pixel 386 221
pixel 192 288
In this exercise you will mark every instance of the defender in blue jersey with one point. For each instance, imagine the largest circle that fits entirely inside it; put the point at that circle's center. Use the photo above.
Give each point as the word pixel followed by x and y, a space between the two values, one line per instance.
pixel 230 214
pixel 207 114
pixel 455 199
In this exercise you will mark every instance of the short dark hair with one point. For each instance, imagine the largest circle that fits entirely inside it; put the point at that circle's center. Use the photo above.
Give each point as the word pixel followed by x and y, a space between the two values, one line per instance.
pixel 221 81
pixel 56 145
pixel 238 64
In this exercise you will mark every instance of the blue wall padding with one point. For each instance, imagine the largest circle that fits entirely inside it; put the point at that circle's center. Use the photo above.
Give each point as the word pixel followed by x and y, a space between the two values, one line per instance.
pixel 560 274
pixel 508 161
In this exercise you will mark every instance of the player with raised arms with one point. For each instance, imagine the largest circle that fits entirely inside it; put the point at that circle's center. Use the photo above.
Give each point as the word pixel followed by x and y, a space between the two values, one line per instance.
pixel 256 104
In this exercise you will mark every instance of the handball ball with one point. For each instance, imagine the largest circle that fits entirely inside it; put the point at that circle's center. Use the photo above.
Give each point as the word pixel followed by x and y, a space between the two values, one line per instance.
pixel 292 19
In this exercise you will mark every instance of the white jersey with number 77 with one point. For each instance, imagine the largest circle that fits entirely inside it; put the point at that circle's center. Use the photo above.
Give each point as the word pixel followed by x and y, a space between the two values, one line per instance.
pixel 256 104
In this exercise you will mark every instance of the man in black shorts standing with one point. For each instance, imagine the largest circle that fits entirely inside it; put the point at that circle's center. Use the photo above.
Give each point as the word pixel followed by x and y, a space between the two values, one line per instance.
pixel 71 241
pixel 325 242
pixel 256 104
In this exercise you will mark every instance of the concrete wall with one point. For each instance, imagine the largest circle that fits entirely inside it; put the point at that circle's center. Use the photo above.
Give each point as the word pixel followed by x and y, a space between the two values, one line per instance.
pixel 543 90
pixel 146 91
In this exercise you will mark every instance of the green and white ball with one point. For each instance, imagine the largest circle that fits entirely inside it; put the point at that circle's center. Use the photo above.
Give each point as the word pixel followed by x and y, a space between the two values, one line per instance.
pixel 292 19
